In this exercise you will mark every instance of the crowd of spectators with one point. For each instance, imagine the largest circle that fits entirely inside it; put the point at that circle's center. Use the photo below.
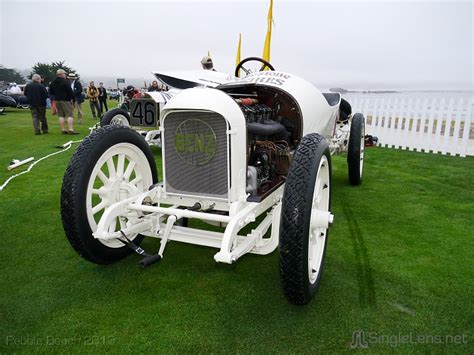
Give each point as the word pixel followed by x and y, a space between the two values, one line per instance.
pixel 65 96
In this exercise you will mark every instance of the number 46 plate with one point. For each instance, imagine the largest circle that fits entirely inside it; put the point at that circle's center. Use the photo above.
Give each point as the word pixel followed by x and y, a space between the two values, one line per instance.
pixel 143 112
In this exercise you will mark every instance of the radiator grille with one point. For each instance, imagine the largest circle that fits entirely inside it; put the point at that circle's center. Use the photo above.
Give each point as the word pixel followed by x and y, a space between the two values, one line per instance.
pixel 195 156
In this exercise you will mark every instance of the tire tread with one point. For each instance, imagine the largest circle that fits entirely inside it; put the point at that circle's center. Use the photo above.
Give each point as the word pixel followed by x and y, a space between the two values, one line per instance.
pixel 353 149
pixel 293 253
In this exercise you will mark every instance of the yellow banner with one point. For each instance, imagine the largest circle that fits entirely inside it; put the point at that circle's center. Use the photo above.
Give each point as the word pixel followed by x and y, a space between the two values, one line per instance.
pixel 268 38
pixel 239 46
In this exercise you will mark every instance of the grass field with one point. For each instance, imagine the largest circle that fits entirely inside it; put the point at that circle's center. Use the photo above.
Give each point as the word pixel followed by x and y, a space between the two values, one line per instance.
pixel 399 269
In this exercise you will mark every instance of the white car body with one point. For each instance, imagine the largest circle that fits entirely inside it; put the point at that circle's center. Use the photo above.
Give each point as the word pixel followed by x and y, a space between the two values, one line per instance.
pixel 235 152
pixel 318 116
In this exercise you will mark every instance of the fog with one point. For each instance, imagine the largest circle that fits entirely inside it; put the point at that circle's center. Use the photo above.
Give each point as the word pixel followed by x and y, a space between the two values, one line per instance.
pixel 353 44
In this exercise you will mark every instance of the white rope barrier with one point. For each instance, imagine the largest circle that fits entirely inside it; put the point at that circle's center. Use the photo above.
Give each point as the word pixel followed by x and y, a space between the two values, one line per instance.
pixel 64 147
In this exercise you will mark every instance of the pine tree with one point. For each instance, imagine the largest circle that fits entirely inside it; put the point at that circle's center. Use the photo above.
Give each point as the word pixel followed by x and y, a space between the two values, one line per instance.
pixel 48 70
pixel 11 75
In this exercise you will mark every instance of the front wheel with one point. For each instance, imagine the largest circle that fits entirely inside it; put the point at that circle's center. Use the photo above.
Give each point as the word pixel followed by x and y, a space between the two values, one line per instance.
pixel 355 149
pixel 112 164
pixel 305 219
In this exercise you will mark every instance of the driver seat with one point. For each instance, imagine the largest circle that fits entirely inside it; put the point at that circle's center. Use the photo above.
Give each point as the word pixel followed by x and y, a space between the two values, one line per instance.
pixel 335 99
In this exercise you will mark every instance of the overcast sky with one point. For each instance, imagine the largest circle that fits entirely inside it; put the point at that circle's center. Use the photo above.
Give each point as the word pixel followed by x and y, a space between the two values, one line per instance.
pixel 355 44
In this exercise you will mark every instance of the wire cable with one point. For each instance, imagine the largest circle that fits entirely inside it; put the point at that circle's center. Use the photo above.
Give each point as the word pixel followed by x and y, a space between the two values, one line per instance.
pixel 65 148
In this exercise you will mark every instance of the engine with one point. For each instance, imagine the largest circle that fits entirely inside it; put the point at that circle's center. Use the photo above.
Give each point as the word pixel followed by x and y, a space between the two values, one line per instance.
pixel 269 138
pixel 197 143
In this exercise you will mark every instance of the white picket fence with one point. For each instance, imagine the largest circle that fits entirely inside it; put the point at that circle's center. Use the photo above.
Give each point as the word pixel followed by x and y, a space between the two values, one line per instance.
pixel 430 124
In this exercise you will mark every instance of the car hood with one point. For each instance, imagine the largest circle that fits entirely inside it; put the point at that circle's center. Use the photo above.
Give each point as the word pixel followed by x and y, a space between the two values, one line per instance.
pixel 186 79
pixel 7 101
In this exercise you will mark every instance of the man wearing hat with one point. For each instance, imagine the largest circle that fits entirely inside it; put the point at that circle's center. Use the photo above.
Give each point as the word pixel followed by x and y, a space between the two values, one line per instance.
pixel 61 89
pixel 207 64
pixel 76 87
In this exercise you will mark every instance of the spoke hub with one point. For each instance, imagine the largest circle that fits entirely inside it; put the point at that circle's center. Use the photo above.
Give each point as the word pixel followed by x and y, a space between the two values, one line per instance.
pixel 321 219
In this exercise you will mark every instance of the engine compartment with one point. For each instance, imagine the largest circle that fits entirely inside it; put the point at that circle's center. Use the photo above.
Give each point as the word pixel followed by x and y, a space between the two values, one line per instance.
pixel 274 129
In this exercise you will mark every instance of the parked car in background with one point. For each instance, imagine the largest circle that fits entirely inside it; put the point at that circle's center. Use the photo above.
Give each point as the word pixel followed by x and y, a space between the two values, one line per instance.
pixel 113 94
pixel 6 101
pixel 16 92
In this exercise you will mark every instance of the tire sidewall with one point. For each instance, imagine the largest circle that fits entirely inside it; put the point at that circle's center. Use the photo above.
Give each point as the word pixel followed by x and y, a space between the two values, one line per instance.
pixel 323 150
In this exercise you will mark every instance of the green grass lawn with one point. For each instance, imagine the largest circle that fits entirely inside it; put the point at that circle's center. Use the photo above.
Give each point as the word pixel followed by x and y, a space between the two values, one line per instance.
pixel 399 267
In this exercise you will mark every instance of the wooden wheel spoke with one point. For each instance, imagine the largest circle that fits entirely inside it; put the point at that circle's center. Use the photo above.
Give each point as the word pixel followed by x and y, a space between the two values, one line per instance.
pixel 111 167
pixel 137 180
pixel 99 207
pixel 129 170
pixel 120 164
pixel 105 180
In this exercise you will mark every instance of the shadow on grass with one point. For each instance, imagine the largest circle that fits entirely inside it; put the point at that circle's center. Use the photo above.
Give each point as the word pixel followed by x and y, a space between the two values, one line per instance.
pixel 364 271
pixel 367 295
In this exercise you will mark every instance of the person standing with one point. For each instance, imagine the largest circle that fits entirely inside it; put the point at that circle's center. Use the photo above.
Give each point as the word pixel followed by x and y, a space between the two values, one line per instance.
pixel 102 99
pixel 93 96
pixel 48 100
pixel 37 95
pixel 129 93
pixel 64 97
pixel 154 87
pixel 207 64
pixel 76 87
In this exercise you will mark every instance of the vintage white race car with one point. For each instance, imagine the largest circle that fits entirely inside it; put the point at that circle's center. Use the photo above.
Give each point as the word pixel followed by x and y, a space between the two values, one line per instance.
pixel 235 152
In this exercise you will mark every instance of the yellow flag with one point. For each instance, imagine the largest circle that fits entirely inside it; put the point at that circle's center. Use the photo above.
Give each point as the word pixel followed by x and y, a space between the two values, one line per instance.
pixel 239 46
pixel 208 53
pixel 268 38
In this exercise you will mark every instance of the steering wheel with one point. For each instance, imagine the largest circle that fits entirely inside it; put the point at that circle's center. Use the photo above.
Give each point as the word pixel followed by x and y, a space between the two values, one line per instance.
pixel 249 69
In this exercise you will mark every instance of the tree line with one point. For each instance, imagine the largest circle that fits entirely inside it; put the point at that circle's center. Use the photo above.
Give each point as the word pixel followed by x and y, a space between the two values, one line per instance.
pixel 47 70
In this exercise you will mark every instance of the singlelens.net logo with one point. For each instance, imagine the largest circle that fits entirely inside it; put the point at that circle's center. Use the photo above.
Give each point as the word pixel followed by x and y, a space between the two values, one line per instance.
pixel 362 339
pixel 358 340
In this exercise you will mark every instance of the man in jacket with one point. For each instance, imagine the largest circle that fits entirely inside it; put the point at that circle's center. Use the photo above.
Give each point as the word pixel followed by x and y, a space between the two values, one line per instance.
pixel 37 94
pixel 76 87
pixel 93 96
pixel 102 99
pixel 60 88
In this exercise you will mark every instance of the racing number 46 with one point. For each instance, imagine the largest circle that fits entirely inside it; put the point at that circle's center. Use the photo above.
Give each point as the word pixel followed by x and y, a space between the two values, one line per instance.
pixel 145 112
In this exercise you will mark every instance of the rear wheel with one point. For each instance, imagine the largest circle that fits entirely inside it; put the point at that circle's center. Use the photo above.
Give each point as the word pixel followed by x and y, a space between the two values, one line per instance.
pixel 305 219
pixel 355 149
pixel 117 116
pixel 112 164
